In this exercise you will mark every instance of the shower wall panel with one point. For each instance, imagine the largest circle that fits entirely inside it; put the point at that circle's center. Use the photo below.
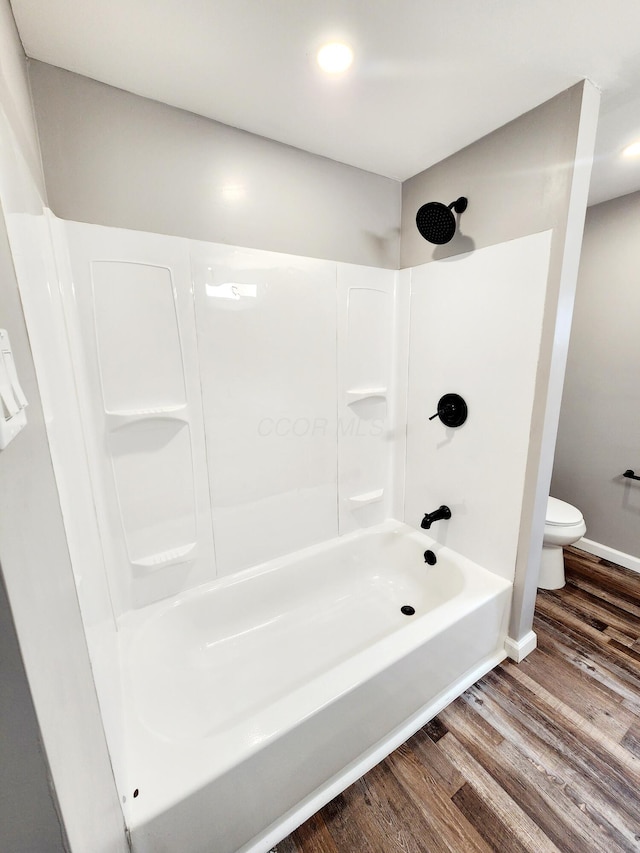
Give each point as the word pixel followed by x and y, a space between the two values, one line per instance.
pixel 234 400
pixel 365 415
pixel 35 263
pixel 267 343
pixel 476 323
pixel 137 359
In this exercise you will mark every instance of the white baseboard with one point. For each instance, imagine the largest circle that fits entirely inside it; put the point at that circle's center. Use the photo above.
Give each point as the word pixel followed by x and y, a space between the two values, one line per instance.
pixel 610 554
pixel 517 650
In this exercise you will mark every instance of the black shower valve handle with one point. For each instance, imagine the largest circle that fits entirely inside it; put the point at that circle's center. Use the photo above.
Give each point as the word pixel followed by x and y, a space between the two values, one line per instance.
pixel 443 411
pixel 452 410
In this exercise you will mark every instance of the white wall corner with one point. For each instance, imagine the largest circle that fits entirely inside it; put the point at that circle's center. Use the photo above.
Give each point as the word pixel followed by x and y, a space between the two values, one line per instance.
pixel 517 650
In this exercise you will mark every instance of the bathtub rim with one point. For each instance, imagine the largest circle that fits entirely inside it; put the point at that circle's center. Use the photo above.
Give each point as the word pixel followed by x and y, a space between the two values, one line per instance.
pixel 232 746
pixel 133 620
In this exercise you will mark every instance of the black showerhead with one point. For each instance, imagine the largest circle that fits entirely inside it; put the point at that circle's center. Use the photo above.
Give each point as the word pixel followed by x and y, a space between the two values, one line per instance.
pixel 436 221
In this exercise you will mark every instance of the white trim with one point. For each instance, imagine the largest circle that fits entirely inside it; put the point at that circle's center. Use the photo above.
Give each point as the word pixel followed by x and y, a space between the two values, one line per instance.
pixel 607 553
pixel 354 771
pixel 517 650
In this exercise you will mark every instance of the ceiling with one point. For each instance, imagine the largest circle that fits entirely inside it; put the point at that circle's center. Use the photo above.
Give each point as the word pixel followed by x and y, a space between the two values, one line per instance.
pixel 428 77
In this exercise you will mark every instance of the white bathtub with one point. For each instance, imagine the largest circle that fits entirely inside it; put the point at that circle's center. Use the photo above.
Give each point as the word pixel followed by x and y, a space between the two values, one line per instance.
pixel 251 702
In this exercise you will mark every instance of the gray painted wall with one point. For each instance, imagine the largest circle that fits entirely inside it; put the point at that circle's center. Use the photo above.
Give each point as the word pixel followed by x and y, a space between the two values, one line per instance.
pixel 15 95
pixel 114 158
pixel 599 433
pixel 29 821
pixel 522 179
pixel 48 695
pixel 517 181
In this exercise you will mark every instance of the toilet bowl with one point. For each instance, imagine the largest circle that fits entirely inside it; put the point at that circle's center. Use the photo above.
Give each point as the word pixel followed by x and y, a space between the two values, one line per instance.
pixel 564 525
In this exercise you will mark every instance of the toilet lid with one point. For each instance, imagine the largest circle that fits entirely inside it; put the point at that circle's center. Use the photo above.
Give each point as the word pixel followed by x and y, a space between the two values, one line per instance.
pixel 559 512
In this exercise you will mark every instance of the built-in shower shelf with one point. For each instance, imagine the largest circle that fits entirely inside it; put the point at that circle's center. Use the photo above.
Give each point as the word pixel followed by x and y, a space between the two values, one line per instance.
pixel 367 498
pixel 182 554
pixel 116 420
pixel 354 395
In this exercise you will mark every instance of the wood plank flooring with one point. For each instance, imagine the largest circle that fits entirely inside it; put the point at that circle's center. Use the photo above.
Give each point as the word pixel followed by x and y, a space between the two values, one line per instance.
pixel 542 756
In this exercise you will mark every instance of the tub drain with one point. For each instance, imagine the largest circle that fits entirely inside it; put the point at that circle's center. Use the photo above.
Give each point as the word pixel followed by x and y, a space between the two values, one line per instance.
pixel 407 609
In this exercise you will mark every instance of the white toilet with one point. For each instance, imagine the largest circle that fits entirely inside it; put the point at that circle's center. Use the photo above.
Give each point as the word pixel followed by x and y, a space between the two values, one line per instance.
pixel 564 525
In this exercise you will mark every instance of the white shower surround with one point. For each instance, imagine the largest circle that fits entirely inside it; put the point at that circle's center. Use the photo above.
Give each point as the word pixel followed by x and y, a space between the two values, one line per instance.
pixel 473 298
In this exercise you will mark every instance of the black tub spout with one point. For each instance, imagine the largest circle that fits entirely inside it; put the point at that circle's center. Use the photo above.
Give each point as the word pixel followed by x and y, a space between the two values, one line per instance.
pixel 442 512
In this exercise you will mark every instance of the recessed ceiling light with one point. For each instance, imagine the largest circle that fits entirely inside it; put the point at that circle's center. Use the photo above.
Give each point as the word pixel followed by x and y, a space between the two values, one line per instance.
pixel 232 192
pixel 335 58
pixel 632 150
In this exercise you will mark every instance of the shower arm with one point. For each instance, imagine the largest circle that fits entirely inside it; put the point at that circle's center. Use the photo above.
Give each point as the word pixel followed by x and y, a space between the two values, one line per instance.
pixel 459 205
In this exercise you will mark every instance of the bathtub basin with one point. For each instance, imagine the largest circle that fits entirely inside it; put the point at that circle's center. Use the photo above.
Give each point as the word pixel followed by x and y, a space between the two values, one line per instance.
pixel 252 701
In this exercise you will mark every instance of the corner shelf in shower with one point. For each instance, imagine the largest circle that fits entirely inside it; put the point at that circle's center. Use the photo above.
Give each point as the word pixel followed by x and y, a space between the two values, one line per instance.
pixel 181 554
pixel 367 498
pixel 354 395
pixel 117 420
